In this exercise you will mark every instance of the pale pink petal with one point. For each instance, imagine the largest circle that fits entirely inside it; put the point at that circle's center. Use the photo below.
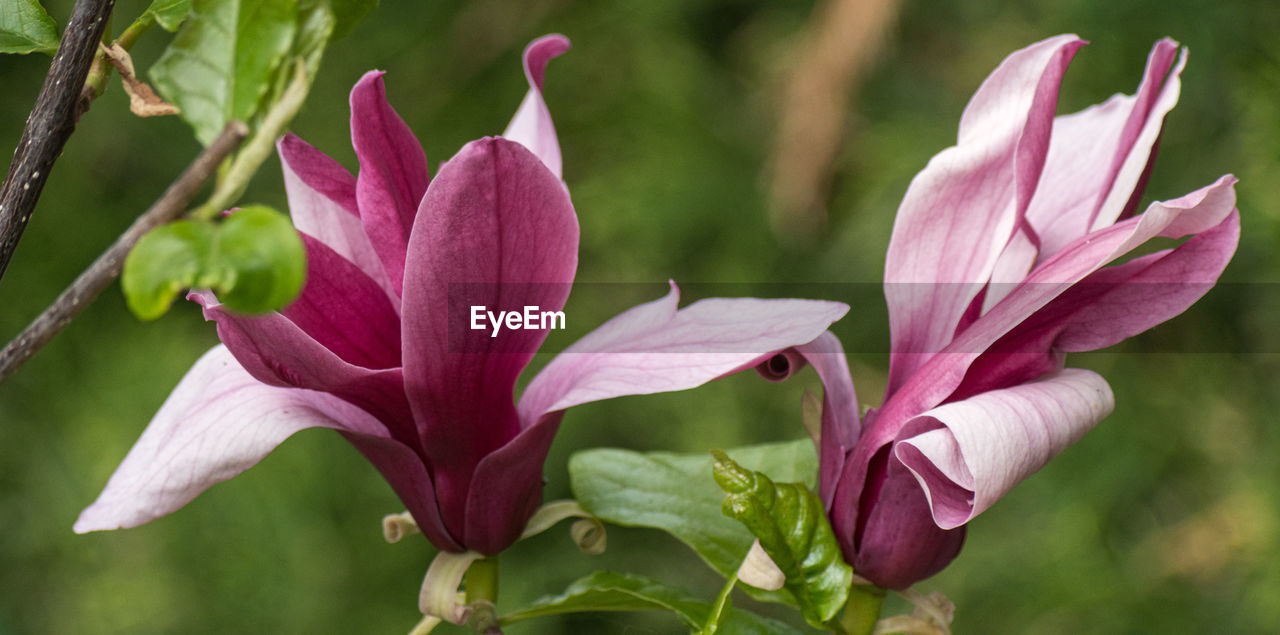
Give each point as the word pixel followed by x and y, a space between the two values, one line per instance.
pixel 276 351
pixel 496 229
pixel 220 421
pixel 840 426
pixel 532 126
pixel 393 173
pixel 1011 267
pixel 1097 156
pixel 967 454
pixel 322 202
pixel 654 348
pixel 960 211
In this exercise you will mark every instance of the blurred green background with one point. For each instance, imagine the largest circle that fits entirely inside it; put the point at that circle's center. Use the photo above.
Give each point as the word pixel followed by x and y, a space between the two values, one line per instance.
pixel 1165 519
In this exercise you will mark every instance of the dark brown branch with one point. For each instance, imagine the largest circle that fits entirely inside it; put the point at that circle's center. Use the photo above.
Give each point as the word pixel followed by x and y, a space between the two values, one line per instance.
pixel 51 121
pixel 106 268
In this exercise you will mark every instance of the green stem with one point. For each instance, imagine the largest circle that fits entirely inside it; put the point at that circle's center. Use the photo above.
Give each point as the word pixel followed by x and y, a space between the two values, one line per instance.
pixel 100 72
pixel 721 607
pixel 135 30
pixel 481 585
pixel 232 182
pixel 862 610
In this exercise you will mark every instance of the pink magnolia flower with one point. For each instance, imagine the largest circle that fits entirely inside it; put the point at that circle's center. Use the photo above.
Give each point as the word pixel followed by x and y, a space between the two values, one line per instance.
pixel 996 270
pixel 378 346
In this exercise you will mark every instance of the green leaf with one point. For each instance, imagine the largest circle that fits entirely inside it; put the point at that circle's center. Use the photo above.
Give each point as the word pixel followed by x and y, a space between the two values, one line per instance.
pixel 609 591
pixel 26 27
pixel 223 59
pixel 165 261
pixel 260 263
pixel 791 524
pixel 671 492
pixel 350 13
pixel 169 14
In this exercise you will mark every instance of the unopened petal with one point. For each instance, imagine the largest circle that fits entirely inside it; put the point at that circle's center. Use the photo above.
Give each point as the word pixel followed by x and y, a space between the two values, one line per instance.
pixel 967 454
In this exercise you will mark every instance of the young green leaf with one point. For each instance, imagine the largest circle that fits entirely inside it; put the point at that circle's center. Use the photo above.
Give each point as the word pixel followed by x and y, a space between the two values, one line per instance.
pixel 223 59
pixel 169 14
pixel 26 27
pixel 263 259
pixel 671 492
pixel 165 261
pixel 791 524
pixel 609 591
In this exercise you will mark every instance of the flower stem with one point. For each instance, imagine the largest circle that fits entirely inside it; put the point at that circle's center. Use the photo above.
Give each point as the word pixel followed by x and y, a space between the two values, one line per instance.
pixel 481 585
pixel 722 606
pixel 863 609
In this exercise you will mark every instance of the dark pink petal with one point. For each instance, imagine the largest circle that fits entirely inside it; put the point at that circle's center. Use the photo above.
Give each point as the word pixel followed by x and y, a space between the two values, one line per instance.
pixel 1097 156
pixel 898 544
pixel 496 229
pixel 961 210
pixel 393 173
pixel 322 202
pixel 345 311
pixel 220 421
pixel 967 454
pixel 532 126
pixel 276 351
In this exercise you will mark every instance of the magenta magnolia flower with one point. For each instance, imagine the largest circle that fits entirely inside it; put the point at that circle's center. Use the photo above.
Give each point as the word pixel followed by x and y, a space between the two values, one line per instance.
pixel 379 347
pixel 995 271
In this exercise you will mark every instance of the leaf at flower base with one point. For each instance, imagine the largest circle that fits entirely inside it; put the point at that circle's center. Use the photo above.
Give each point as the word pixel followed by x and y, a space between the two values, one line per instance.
pixel 671 492
pixel 791 524
pixel 259 263
pixel 610 591
pixel 169 14
pixel 350 13
pixel 165 261
pixel 223 59
pixel 25 27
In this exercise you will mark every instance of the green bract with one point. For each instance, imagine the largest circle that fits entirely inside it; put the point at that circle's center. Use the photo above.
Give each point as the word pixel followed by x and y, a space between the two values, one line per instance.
pixel 791 524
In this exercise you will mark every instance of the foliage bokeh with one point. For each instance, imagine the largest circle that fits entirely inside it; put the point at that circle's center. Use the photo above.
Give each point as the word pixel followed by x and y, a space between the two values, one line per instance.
pixel 1164 519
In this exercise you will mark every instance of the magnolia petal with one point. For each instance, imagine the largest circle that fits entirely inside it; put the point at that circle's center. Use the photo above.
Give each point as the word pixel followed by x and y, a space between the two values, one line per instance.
pixel 967 454
pixel 276 351
pixel 1097 156
pixel 840 426
pixel 322 201
pixel 218 422
pixel 654 348
pixel 1010 268
pixel 532 126
pixel 647 349
pixel 496 230
pixel 393 173
pixel 898 544
pixel 345 311
pixel 960 211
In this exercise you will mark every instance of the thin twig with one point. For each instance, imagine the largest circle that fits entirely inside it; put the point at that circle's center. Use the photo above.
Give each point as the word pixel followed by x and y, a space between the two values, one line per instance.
pixel 51 122
pixel 106 268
